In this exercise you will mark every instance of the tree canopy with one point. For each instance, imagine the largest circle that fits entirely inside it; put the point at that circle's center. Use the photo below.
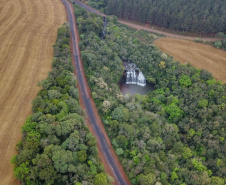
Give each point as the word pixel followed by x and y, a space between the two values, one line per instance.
pixel 173 135
pixel 57 147
pixel 200 16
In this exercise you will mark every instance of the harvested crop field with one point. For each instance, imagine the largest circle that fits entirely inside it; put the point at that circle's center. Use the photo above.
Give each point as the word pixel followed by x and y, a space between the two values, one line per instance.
pixel 198 55
pixel 28 29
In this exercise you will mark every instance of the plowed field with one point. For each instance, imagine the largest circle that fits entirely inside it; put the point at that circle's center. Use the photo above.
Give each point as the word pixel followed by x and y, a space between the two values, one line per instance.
pixel 199 55
pixel 28 29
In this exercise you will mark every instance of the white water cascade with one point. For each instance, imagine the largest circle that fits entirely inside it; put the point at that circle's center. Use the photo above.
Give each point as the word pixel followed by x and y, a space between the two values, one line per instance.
pixel 134 75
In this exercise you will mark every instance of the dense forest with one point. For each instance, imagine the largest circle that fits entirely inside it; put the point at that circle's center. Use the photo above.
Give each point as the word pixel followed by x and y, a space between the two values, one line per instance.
pixel 176 133
pixel 57 148
pixel 200 16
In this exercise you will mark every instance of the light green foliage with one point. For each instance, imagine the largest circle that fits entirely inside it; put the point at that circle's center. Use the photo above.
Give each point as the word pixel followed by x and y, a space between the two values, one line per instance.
pixel 33 136
pixel 29 126
pixel 162 64
pixel 209 172
pixel 159 91
pixel 217 181
pixel 174 176
pixel 203 103
pixel 187 153
pixel 198 165
pixel 219 162
pixel 21 171
pixel 148 179
pixel 185 81
pixel 211 93
pixel 119 151
pixel 92 168
pixel 211 82
pixel 191 133
pixel 100 179
pixel 174 111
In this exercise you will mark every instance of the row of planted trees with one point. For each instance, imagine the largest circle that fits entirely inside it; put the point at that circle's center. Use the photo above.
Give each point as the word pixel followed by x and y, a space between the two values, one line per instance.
pixel 173 135
pixel 200 16
pixel 57 147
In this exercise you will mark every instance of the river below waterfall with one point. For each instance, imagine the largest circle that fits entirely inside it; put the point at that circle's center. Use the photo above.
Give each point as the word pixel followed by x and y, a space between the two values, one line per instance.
pixel 134 88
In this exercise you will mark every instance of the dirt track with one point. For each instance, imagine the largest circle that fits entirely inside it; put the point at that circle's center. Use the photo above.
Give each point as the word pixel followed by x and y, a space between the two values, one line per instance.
pixel 28 30
pixel 199 55
pixel 174 35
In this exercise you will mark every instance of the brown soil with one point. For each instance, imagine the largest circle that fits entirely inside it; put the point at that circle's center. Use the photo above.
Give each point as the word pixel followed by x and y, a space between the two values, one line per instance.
pixel 27 32
pixel 199 55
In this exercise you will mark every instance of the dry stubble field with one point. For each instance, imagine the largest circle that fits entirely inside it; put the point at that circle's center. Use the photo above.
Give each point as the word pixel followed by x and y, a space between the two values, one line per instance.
pixel 199 55
pixel 28 29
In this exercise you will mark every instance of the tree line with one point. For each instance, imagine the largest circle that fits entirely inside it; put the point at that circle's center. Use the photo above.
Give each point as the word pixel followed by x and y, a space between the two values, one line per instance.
pixel 201 16
pixel 173 135
pixel 57 147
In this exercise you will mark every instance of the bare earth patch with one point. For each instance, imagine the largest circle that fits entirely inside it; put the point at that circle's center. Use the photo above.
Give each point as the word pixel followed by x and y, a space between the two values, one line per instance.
pixel 28 29
pixel 198 55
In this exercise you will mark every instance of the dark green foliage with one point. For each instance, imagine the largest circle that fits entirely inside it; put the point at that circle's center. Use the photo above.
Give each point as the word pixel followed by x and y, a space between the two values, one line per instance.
pixel 166 136
pixel 200 16
pixel 57 148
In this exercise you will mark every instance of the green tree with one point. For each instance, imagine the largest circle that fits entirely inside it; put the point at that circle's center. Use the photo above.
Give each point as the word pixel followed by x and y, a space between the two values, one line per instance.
pixel 148 179
pixel 187 153
pixel 62 159
pixel 120 114
pixel 100 179
pixel 185 81
pixel 82 156
pixel 174 111
pixel 198 165
pixel 119 151
pixel 217 181
pixel 203 103
pixel 21 171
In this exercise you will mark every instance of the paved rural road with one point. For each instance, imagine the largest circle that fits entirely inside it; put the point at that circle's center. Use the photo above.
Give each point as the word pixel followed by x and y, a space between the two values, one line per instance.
pixel 140 27
pixel 106 149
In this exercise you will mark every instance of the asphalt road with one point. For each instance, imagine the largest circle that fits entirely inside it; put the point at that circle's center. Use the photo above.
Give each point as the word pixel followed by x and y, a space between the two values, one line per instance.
pixel 86 99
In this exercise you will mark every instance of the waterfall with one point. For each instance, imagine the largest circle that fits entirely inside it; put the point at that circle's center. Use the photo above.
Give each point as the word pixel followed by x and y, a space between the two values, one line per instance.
pixel 134 75
pixel 141 79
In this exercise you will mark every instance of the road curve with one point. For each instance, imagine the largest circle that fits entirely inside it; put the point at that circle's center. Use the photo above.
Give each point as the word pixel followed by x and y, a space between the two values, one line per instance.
pixel 107 152
pixel 147 28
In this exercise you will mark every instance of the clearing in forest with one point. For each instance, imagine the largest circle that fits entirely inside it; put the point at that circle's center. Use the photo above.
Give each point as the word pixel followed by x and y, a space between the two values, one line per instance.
pixel 198 55
pixel 28 30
